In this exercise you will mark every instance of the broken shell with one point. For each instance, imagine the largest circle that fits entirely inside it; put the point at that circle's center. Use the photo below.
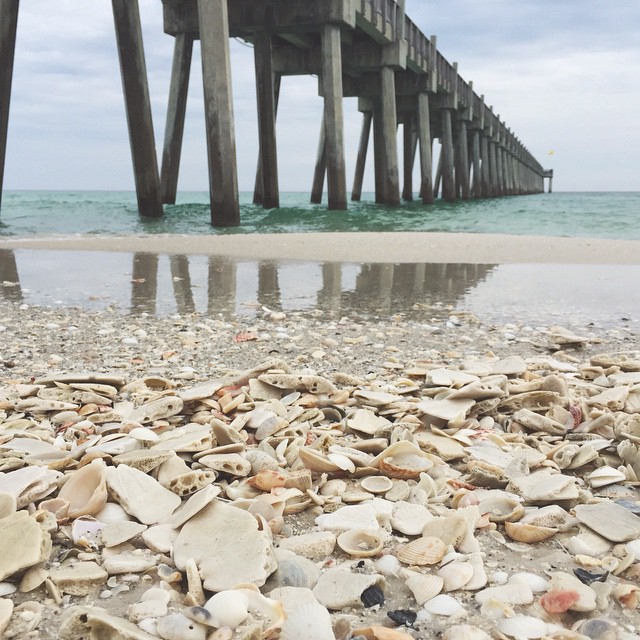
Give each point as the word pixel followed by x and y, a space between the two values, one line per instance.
pixel 310 621
pixel 520 626
pixel 596 629
pixel 528 533
pixel 455 575
pixel 604 476
pixel 501 507
pixel 377 632
pixel 315 461
pixel 360 543
pixel 423 551
pixel 85 490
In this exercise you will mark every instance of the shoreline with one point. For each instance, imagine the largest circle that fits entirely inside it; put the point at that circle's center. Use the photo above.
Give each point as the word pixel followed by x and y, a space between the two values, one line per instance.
pixel 405 247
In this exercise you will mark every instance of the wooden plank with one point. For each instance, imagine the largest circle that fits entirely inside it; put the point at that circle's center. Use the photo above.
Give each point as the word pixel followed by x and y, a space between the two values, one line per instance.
pixel 138 106
pixel 8 28
pixel 218 109
pixel 174 130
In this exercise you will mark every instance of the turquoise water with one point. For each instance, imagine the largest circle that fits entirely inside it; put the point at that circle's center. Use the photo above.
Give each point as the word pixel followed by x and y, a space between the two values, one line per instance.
pixel 593 214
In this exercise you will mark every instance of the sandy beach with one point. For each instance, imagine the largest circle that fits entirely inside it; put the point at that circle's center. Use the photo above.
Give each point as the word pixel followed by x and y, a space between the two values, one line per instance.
pixel 362 247
pixel 209 368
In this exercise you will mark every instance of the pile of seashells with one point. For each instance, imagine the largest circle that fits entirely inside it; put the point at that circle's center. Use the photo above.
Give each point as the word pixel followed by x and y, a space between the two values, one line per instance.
pixel 274 503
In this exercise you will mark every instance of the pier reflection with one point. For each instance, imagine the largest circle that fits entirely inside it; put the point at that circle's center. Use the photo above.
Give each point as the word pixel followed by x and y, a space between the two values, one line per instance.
pixel 242 287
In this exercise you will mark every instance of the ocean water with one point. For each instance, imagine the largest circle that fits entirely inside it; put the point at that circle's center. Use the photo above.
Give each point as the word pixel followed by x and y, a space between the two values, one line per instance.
pixel 590 214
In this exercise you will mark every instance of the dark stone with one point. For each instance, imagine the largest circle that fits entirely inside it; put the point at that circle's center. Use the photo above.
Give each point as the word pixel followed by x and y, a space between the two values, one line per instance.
pixel 587 577
pixel 372 596
pixel 403 616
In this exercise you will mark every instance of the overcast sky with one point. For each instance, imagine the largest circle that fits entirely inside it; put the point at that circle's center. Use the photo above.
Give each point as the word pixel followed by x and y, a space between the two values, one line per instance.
pixel 562 74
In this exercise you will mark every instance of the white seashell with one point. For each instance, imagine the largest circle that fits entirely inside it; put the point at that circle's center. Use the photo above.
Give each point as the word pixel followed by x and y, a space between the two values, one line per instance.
pixel 85 531
pixel 335 487
pixel 339 589
pixel 455 575
pixel 360 543
pixel 29 484
pixel 424 586
pixel 294 570
pixel 588 543
pixel 310 621
pixel 314 545
pixel 444 605
pixel 403 460
pixel 422 551
pixel 376 484
pixel 604 476
pixel 516 593
pixel 523 627
pixel 112 512
pixel 465 632
pixel 359 516
pixel 565 581
pixel 229 608
pixel 536 583
pixel 410 519
pixel 453 411
pixel 178 627
pixel 85 490
pixel 388 565
pixel 633 548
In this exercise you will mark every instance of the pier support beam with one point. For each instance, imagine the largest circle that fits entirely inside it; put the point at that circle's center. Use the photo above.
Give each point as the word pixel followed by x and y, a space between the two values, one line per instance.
pixel 391 178
pixel 266 94
pixel 379 158
pixel 426 160
pixel 174 130
pixel 8 28
pixel 462 160
pixel 333 116
pixel 138 106
pixel 475 159
pixel 485 167
pixel 258 189
pixel 218 108
pixel 320 169
pixel 410 140
pixel 358 178
pixel 448 179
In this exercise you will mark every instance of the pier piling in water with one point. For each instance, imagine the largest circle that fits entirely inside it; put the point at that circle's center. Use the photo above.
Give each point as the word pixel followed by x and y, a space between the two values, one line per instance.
pixel 368 49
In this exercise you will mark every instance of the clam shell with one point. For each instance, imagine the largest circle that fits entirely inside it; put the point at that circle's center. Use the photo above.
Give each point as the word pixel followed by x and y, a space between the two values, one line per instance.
pixel 523 627
pixel 360 543
pixel 444 605
pixel 501 508
pixel 423 551
pixel 409 518
pixel 376 484
pixel 402 460
pixel 295 571
pixel 316 461
pixel 424 586
pixel 528 533
pixel 456 575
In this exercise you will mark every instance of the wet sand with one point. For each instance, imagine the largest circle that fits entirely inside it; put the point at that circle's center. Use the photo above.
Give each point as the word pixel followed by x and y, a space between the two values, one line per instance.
pixel 362 247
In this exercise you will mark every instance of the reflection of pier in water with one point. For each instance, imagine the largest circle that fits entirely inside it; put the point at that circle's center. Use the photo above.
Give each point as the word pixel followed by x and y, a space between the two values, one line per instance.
pixel 376 287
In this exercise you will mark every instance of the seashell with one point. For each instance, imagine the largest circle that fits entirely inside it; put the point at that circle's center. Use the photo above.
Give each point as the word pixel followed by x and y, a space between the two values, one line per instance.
pixel 509 594
pixel 360 543
pixel 29 484
pixel 424 586
pixel 404 617
pixel 410 519
pixel 187 439
pixel 550 516
pixel 177 626
pixel 443 446
pixel 403 460
pixel 315 461
pixel 528 533
pixel 559 601
pixel 377 632
pixel 295 571
pixel 596 629
pixel 453 411
pixel 520 626
pixel 358 516
pixel 604 476
pixel 465 632
pixel 627 595
pixel 501 508
pixel 300 479
pixel 359 458
pixel 339 589
pixel 310 621
pixel 229 608
pixel 450 529
pixel 232 463
pixel 544 487
pixel 143 460
pixel 536 583
pixel 372 596
pixel 455 575
pixel 376 484
pixel 600 517
pixel 265 480
pixel 444 605
pixel 423 551
pixel 388 565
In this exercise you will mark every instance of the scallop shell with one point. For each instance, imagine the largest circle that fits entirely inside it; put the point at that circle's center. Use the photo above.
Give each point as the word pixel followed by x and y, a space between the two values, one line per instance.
pixel 423 551
pixel 360 543
pixel 403 460
pixel 376 484
pixel 424 586
pixel 528 533
pixel 310 621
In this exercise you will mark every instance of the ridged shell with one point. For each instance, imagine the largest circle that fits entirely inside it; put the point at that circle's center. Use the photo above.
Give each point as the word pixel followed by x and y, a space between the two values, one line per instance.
pixel 423 551
pixel 310 621
pixel 424 586
pixel 455 575
pixel 360 543
pixel 528 533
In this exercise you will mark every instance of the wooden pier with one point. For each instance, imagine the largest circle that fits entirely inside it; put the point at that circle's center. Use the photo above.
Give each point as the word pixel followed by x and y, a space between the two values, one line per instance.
pixel 367 49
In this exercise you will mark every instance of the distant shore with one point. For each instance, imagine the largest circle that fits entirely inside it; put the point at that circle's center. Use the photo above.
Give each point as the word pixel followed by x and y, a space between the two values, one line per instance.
pixel 358 247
